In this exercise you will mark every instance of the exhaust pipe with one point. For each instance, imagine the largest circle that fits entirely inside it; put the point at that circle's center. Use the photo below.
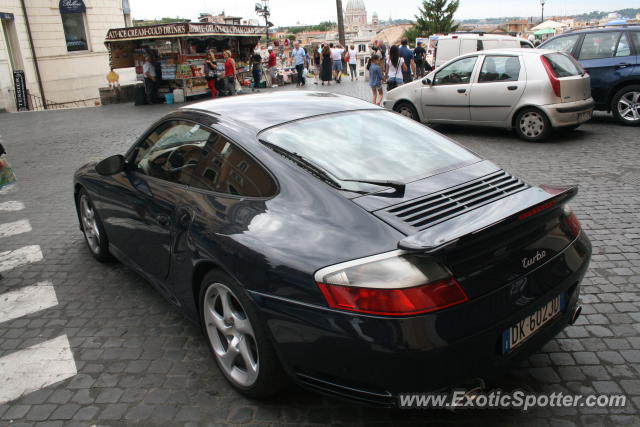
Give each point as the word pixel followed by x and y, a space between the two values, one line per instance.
pixel 575 314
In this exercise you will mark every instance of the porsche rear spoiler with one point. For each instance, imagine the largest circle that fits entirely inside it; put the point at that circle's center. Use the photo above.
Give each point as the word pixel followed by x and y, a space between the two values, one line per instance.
pixel 519 206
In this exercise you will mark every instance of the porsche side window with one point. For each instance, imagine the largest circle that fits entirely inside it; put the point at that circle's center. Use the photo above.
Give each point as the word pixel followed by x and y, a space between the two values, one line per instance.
pixel 172 151
pixel 458 72
pixel 225 168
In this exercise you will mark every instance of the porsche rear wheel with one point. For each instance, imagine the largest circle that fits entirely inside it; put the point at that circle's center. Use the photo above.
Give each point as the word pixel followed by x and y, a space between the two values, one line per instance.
pixel 238 340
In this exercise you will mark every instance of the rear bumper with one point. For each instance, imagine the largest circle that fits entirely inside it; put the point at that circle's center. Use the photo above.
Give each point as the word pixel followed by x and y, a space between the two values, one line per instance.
pixel 569 113
pixel 372 359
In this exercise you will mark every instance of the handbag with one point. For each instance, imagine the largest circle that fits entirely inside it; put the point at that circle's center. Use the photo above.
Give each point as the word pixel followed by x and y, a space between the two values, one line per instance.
pixel 6 173
pixel 238 86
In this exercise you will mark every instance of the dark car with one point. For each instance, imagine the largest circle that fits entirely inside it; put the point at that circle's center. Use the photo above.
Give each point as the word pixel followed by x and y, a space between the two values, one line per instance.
pixel 611 56
pixel 358 251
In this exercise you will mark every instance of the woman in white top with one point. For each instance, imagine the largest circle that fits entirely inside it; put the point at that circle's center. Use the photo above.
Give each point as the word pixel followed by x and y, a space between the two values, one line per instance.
pixel 353 61
pixel 395 67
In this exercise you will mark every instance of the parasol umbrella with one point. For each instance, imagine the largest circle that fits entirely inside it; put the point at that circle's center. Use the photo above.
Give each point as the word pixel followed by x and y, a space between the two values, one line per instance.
pixel 544 31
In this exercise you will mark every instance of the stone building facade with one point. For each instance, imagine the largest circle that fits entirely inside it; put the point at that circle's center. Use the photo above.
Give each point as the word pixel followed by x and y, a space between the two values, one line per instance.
pixel 68 47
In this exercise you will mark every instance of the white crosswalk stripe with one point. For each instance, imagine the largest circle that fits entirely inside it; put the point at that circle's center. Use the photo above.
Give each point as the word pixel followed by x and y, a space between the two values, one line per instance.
pixel 35 367
pixel 15 227
pixel 44 364
pixel 22 256
pixel 11 206
pixel 24 301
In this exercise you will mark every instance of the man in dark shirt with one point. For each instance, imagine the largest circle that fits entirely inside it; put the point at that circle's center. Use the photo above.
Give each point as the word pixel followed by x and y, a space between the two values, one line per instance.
pixel 407 54
pixel 256 71
pixel 420 56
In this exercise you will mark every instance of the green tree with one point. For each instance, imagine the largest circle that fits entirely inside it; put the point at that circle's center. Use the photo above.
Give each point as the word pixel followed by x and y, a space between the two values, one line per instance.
pixel 436 16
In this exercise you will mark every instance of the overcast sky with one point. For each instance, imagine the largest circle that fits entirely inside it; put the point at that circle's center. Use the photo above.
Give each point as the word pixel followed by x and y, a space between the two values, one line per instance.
pixel 291 12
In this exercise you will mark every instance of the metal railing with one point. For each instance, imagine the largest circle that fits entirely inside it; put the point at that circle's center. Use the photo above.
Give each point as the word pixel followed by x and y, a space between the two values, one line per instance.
pixel 37 103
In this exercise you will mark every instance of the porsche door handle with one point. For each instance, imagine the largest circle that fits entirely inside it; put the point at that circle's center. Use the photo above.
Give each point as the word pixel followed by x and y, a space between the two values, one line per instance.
pixel 623 65
pixel 512 87
pixel 462 90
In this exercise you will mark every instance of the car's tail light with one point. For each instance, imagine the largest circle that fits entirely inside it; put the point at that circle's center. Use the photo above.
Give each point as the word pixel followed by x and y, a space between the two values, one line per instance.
pixel 572 221
pixel 536 210
pixel 391 284
pixel 553 79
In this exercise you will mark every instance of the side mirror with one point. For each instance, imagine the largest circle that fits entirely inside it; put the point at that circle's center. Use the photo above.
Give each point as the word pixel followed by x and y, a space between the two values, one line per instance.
pixel 111 165
pixel 427 81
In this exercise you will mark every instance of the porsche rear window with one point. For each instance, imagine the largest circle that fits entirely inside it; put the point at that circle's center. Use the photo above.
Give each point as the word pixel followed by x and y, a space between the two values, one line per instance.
pixel 370 144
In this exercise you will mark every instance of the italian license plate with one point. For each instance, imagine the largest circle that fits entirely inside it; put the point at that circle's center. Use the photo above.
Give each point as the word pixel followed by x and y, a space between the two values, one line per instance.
pixel 583 117
pixel 521 331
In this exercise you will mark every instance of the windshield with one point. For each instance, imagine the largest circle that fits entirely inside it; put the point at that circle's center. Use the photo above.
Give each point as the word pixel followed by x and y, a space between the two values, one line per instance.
pixel 370 145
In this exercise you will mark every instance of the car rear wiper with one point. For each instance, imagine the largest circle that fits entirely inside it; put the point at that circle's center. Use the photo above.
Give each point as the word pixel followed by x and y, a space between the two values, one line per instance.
pixel 304 163
pixel 396 185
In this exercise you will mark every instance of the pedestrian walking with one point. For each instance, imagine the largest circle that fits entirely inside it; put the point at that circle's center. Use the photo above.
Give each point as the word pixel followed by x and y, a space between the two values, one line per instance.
pixel 420 56
pixel 383 50
pixel 272 66
pixel 336 56
pixel 229 74
pixel 211 72
pixel 353 62
pixel 375 78
pixel 395 66
pixel 407 54
pixel 317 63
pixel 256 71
pixel 299 56
pixel 150 80
pixel 327 65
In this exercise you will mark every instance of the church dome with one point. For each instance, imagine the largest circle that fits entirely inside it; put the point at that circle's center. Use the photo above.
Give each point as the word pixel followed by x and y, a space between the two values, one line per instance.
pixel 375 14
pixel 354 5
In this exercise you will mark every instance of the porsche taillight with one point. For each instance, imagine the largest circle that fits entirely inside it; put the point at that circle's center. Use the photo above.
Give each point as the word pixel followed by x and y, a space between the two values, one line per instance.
pixel 391 284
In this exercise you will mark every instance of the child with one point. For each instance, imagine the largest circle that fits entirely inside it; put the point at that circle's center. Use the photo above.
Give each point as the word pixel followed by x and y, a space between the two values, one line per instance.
pixel 375 78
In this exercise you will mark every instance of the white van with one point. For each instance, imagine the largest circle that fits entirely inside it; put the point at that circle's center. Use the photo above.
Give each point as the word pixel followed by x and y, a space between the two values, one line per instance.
pixel 452 45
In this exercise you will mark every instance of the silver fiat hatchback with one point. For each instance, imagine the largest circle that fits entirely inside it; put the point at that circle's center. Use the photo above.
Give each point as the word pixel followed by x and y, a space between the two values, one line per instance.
pixel 529 91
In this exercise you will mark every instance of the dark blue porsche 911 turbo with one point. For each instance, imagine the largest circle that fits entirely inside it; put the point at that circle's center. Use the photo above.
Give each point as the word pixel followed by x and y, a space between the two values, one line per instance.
pixel 320 238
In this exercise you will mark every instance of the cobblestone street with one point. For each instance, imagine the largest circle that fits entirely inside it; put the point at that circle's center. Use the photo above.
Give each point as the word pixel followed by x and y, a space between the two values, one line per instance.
pixel 97 345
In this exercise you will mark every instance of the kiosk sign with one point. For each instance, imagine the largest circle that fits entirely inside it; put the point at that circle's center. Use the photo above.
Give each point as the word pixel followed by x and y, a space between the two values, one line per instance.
pixel 19 82
pixel 182 29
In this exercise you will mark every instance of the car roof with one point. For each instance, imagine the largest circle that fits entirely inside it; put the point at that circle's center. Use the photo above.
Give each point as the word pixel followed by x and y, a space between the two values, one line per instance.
pixel 601 29
pixel 476 36
pixel 511 51
pixel 260 111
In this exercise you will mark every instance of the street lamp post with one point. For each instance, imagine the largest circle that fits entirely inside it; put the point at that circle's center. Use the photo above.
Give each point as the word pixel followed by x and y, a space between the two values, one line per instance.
pixel 340 23
pixel 263 10
pixel 542 2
